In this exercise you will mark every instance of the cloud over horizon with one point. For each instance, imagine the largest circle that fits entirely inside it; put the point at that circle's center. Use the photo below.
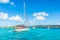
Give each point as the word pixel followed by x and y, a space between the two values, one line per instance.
pixel 40 15
pixel 16 18
pixel 3 15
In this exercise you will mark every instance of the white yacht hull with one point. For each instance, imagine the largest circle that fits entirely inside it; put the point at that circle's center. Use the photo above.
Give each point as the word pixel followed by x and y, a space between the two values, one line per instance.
pixel 23 29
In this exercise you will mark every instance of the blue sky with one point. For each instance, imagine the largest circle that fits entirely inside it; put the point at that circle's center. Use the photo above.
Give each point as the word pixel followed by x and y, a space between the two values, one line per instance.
pixel 39 12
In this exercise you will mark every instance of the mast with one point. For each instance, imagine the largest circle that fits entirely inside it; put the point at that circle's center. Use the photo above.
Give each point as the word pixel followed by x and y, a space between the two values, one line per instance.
pixel 24 8
pixel 26 22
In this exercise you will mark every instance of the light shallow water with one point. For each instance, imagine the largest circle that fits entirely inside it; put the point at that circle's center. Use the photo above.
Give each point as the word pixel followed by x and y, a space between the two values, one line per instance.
pixel 33 34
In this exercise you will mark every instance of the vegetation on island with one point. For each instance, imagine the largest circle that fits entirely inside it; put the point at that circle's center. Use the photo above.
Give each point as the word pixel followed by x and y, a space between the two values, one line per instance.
pixel 36 26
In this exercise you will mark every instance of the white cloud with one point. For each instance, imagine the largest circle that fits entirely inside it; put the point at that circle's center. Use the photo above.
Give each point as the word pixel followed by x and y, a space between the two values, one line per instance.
pixel 3 15
pixel 40 15
pixel 12 4
pixel 39 18
pixel 4 1
pixel 16 18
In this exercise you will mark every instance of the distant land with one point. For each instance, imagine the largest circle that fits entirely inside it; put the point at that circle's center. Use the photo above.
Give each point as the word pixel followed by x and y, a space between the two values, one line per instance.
pixel 46 26
pixel 36 26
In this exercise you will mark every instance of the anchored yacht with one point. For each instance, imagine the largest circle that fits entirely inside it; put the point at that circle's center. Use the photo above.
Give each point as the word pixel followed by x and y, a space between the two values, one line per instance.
pixel 22 27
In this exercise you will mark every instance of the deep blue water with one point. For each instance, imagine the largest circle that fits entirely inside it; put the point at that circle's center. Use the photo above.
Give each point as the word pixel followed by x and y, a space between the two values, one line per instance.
pixel 33 34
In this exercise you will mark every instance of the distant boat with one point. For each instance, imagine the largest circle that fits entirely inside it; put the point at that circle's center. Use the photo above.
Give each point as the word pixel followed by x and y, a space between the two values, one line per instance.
pixel 33 27
pixel 48 27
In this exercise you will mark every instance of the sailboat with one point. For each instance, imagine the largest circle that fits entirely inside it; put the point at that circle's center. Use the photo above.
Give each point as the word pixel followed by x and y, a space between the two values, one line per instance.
pixel 22 27
pixel 48 27
pixel 34 27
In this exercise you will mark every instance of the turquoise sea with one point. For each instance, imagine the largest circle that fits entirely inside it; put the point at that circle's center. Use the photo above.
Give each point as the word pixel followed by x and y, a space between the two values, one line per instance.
pixel 33 34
